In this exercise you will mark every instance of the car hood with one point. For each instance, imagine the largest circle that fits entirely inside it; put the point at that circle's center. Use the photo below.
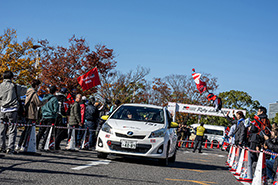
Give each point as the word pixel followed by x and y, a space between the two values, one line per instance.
pixel 135 126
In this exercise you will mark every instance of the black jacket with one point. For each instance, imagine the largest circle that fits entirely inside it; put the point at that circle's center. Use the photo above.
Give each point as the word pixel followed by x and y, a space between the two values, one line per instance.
pixel 91 113
pixel 240 133
pixel 272 144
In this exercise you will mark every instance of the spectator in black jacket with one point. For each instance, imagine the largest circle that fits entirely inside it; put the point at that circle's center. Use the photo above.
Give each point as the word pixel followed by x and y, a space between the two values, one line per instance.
pixel 61 118
pixel 241 131
pixel 91 117
pixel 272 144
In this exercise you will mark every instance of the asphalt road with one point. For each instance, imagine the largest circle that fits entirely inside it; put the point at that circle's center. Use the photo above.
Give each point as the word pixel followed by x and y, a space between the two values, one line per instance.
pixel 83 167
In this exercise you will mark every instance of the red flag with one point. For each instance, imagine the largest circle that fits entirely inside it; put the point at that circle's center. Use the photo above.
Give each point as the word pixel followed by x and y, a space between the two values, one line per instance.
pixel 89 80
pixel 201 86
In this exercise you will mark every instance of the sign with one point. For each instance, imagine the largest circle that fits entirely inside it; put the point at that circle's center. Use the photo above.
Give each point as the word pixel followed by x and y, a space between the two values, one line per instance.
pixel 199 109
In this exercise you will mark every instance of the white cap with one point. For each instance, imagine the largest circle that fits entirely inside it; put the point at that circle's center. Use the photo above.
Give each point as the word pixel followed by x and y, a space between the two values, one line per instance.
pixel 84 98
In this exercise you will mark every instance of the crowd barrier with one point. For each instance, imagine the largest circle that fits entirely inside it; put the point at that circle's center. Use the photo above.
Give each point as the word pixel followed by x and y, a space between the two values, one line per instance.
pixel 239 161
pixel 52 125
pixel 50 141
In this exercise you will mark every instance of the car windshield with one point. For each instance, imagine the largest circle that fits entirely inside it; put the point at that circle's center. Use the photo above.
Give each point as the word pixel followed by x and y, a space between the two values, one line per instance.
pixel 214 132
pixel 139 113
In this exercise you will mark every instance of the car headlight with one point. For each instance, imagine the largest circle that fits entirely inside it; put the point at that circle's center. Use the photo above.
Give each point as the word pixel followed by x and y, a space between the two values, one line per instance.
pixel 106 128
pixel 158 133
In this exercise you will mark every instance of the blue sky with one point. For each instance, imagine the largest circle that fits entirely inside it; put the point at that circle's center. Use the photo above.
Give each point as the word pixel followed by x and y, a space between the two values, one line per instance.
pixel 234 40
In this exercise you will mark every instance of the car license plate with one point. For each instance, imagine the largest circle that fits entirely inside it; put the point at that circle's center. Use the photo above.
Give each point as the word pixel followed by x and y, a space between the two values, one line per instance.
pixel 128 144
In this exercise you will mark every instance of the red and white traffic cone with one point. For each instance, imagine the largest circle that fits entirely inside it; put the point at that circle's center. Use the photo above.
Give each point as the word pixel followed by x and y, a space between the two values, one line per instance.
pixel 246 170
pixel 211 145
pixel 229 156
pixel 85 140
pixel 218 146
pixel 192 144
pixel 240 162
pixel 31 140
pixel 235 164
pixel 206 144
pixel 71 141
pixel 232 157
pixel 187 143
pixel 50 142
pixel 179 144
pixel 260 172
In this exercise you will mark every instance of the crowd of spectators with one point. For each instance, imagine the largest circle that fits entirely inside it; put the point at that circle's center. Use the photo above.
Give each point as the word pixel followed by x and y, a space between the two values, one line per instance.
pixel 56 108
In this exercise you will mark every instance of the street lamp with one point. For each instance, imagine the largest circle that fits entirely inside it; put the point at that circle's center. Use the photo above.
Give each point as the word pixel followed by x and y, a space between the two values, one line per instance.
pixel 35 47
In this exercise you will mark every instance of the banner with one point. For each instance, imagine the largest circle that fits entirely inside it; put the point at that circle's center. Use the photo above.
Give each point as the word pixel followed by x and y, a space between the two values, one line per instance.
pixel 199 109
pixel 89 80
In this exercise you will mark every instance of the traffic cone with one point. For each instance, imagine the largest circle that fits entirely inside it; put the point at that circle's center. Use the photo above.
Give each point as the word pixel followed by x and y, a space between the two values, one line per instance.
pixel 187 143
pixel 260 172
pixel 71 141
pixel 179 144
pixel 50 142
pixel 30 145
pixel 31 141
pixel 229 155
pixel 85 140
pixel 232 157
pixel 192 144
pixel 246 170
pixel 235 163
pixel 218 146
pixel 211 145
pixel 275 182
pixel 206 144
pixel 240 162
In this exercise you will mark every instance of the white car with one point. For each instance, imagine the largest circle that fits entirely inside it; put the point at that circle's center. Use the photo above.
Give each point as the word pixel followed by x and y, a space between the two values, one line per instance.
pixel 139 130
pixel 213 133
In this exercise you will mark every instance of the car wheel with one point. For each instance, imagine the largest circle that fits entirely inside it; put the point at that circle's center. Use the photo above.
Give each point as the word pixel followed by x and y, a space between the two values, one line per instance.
pixel 173 158
pixel 165 162
pixel 102 155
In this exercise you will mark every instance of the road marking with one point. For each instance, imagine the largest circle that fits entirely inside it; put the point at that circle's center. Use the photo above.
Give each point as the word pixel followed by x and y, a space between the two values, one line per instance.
pixel 186 152
pixel 93 163
pixel 197 182
pixel 201 171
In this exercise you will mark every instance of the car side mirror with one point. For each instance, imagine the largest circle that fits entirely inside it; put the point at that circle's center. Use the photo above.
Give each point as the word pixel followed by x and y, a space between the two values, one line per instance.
pixel 105 117
pixel 173 125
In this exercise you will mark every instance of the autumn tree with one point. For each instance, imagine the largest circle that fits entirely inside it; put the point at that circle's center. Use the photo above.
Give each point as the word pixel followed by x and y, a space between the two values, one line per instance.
pixel 62 66
pixel 18 57
pixel 181 89
pixel 126 87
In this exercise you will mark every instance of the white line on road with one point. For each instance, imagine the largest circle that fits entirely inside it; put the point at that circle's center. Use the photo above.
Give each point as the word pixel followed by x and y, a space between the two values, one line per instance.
pixel 93 163
pixel 186 152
